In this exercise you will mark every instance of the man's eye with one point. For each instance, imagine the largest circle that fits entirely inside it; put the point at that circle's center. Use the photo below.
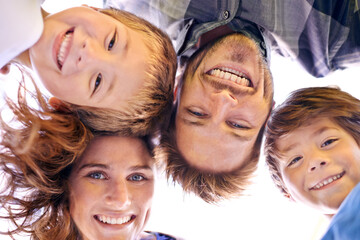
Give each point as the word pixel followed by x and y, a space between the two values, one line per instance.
pixel 328 142
pixel 198 114
pixel 112 42
pixel 137 178
pixel 235 125
pixel 295 160
pixel 96 175
pixel 97 82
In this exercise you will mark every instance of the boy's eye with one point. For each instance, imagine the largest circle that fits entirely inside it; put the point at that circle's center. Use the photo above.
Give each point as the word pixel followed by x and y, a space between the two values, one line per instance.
pixel 137 178
pixel 112 42
pixel 328 142
pixel 295 160
pixel 96 175
pixel 97 82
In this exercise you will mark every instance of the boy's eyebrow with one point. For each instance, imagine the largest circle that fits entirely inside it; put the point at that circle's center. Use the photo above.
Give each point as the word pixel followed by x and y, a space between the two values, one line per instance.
pixel 317 132
pixel 321 130
pixel 289 148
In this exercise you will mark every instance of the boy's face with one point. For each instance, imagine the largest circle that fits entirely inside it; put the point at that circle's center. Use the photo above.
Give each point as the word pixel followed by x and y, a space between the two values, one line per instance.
pixel 320 164
pixel 88 58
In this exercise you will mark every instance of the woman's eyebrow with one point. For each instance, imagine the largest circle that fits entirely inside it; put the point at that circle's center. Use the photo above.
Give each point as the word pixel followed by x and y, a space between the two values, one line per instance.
pixel 140 167
pixel 93 165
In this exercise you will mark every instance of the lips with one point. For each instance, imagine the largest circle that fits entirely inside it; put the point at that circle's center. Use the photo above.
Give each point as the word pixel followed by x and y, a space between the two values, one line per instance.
pixel 62 47
pixel 327 181
pixel 109 220
pixel 232 75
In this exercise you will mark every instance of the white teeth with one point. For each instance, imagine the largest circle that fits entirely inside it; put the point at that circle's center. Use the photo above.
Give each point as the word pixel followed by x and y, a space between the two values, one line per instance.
pixel 63 47
pixel 230 74
pixel 327 181
pixel 110 220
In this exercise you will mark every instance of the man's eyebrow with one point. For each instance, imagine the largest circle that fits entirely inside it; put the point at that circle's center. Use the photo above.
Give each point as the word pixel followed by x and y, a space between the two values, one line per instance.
pixel 241 137
pixel 192 123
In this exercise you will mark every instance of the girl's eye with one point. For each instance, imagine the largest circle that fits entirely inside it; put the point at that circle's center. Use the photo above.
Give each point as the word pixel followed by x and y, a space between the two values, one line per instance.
pixel 328 142
pixel 97 81
pixel 137 178
pixel 112 42
pixel 235 125
pixel 295 160
pixel 96 175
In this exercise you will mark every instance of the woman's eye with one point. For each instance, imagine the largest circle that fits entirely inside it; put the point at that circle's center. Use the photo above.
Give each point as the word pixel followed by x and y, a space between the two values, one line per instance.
pixel 97 82
pixel 137 178
pixel 96 175
pixel 235 125
pixel 112 42
pixel 295 160
pixel 328 142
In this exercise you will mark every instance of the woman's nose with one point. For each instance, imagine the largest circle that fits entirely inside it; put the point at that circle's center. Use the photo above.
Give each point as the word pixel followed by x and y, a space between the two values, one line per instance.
pixel 118 196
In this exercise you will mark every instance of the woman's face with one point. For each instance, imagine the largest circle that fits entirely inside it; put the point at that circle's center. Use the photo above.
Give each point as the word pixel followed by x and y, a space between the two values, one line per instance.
pixel 87 58
pixel 111 188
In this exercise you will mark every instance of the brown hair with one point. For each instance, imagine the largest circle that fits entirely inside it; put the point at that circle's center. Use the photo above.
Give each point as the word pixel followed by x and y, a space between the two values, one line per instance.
pixel 38 148
pixel 149 108
pixel 298 109
pixel 211 187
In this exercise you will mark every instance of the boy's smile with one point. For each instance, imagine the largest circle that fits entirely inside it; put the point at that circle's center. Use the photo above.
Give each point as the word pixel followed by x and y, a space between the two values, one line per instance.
pixel 320 164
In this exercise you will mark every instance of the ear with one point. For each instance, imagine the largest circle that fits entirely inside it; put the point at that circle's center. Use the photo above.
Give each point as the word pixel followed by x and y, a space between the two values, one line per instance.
pixel 58 105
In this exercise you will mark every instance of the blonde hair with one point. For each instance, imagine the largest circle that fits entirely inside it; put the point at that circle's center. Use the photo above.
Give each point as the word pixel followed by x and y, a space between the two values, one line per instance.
pixel 147 110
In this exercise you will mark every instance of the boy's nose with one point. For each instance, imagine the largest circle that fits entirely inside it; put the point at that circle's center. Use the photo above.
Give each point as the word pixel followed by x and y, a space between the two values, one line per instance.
pixel 89 54
pixel 317 164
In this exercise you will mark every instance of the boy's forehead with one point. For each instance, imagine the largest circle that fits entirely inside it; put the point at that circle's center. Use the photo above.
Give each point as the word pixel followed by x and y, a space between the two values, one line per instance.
pixel 316 127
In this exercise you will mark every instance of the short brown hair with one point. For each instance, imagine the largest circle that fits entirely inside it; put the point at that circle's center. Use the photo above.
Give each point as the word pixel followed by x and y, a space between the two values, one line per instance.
pixel 211 187
pixel 149 108
pixel 298 109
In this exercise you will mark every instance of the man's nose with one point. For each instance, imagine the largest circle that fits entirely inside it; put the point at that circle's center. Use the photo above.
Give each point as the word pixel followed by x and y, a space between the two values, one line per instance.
pixel 223 101
pixel 118 196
